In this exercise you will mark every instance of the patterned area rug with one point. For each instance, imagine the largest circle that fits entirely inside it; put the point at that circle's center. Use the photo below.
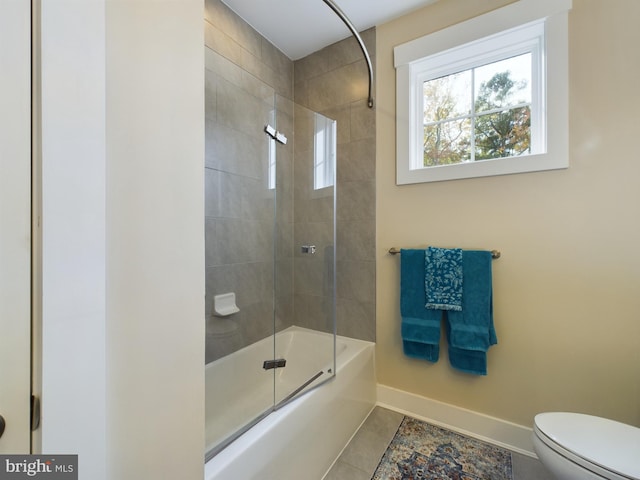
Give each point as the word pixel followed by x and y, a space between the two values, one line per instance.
pixel 423 451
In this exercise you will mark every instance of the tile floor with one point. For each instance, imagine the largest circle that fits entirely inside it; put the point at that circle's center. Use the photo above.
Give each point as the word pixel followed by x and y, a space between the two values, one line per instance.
pixel 360 458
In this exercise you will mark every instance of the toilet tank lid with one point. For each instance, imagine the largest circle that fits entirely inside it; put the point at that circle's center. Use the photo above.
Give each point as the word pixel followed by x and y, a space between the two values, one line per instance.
pixel 607 443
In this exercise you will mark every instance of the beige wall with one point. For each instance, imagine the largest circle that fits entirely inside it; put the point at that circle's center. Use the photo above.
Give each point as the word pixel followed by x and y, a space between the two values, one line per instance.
pixel 154 77
pixel 566 299
pixel 122 288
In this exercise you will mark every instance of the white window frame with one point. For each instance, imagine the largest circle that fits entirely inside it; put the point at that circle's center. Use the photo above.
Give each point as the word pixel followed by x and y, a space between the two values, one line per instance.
pixel 516 28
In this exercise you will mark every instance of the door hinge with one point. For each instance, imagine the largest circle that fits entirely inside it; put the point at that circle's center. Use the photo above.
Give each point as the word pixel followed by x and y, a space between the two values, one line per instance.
pixel 35 413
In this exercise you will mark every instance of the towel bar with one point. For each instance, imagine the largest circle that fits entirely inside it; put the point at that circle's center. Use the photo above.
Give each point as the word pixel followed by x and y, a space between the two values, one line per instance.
pixel 495 254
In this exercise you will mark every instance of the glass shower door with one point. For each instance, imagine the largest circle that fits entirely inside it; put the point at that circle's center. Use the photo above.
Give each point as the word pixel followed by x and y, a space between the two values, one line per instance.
pixel 270 239
pixel 239 245
pixel 305 258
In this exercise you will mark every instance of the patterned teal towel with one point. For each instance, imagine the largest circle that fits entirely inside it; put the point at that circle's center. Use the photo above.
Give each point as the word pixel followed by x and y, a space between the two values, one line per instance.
pixel 443 278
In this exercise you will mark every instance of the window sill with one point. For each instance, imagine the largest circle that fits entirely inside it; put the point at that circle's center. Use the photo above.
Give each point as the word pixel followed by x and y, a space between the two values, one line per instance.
pixel 484 168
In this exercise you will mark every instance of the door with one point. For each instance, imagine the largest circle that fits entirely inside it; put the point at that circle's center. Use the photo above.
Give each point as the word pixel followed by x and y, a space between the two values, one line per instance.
pixel 307 347
pixel 240 200
pixel 15 224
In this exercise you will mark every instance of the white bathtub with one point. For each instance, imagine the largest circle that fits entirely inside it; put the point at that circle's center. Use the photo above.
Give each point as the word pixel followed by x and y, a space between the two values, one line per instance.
pixel 303 438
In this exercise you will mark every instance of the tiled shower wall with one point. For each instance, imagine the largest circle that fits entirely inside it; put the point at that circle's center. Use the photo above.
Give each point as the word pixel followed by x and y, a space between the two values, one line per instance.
pixel 247 79
pixel 334 82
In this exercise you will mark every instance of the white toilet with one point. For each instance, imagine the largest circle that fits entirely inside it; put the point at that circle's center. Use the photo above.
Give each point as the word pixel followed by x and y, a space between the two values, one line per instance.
pixel 583 447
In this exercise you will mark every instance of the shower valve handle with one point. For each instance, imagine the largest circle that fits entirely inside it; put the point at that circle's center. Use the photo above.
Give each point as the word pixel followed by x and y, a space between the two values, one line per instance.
pixel 308 249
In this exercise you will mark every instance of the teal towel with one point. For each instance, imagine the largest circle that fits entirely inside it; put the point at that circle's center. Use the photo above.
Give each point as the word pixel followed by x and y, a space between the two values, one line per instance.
pixel 472 328
pixel 470 332
pixel 443 278
pixel 420 326
pixel 421 351
pixel 467 361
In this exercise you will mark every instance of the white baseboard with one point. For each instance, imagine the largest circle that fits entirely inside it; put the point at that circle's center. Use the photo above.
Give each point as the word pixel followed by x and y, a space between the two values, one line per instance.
pixel 477 425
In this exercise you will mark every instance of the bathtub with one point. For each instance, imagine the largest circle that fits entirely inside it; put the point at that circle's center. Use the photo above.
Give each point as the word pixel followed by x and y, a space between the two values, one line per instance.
pixel 302 438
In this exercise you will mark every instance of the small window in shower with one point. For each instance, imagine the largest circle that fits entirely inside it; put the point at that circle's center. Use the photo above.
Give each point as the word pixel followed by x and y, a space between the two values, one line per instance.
pixel 271 168
pixel 324 152
pixel 271 155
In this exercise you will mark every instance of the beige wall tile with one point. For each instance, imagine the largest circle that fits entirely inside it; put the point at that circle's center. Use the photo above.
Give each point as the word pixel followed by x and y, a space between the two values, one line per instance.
pixel 221 16
pixel 334 81
pixel 343 85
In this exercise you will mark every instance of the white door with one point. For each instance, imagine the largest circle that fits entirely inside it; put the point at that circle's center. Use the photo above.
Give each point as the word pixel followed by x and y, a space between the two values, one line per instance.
pixel 15 224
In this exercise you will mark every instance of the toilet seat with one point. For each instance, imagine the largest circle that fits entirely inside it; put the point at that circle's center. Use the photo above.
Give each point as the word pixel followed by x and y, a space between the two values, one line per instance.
pixel 605 447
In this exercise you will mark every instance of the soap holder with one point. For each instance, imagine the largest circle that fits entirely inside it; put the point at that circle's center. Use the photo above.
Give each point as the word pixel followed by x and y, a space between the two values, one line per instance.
pixel 225 305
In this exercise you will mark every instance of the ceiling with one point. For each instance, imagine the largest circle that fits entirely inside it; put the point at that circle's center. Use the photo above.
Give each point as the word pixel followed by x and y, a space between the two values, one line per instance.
pixel 301 27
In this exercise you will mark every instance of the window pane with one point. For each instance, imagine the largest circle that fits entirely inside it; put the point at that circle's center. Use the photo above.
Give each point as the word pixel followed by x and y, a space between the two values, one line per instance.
pixel 446 143
pixel 503 84
pixel 503 134
pixel 324 152
pixel 447 97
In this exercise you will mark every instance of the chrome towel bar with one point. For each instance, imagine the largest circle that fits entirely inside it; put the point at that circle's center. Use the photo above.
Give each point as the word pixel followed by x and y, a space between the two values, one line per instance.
pixel 495 254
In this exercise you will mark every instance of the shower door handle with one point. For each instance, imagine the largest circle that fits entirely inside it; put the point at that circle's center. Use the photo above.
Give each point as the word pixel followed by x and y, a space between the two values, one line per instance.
pixel 276 363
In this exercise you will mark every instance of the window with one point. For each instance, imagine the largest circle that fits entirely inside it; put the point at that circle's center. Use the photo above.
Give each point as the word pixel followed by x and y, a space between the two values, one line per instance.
pixel 271 165
pixel 271 155
pixel 479 99
pixel 324 152
pixel 480 113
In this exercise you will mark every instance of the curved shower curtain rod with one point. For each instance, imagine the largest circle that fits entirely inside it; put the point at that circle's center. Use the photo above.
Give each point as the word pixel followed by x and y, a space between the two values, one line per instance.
pixel 355 33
